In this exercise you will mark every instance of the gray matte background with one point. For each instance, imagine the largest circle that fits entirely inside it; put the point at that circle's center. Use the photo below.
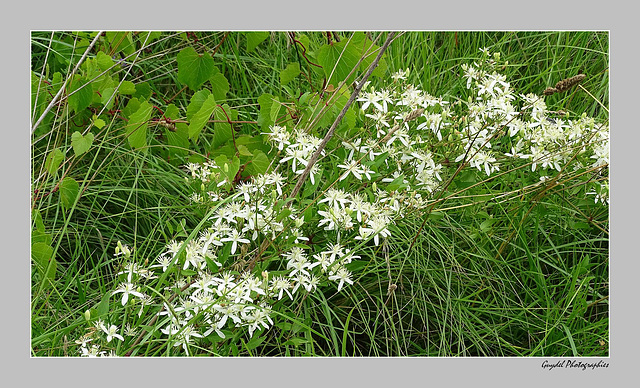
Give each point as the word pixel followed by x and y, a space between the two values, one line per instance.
pixel 22 17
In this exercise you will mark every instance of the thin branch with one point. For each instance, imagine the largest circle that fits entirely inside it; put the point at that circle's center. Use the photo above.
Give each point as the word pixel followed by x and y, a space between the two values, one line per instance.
pixel 55 99
pixel 329 135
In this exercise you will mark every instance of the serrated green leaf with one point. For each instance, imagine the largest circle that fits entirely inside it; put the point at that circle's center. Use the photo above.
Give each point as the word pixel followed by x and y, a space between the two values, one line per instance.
pixel 274 112
pixel 254 38
pixel 41 253
pixel 289 73
pixel 243 150
pixel 80 96
pixel 68 189
pixel 81 144
pixel 200 118
pixel 120 41
pixel 259 163
pixel 178 138
pixel 98 123
pixel 127 87
pixel 219 86
pixel 104 61
pixel 222 129
pixel 337 61
pixel 196 102
pixel 103 307
pixel 137 125
pixel 132 106
pixel 53 161
pixel 172 112
pixel 106 98
pixel 370 52
pixel 46 264
pixel 194 69
pixel 38 236
pixel 143 90
pixel 148 36
pixel 36 217
pixel 264 116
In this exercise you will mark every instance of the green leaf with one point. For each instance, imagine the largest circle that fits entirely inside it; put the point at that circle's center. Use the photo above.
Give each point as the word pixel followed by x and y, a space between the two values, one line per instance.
pixel 180 137
pixel 264 116
pixel 289 73
pixel 485 226
pixel 295 341
pixel 148 36
pixel 120 41
pixel 254 38
pixel 103 307
pixel 221 130
pixel 106 97
pixel 105 62
pixel 81 144
pixel 98 123
pixel 127 87
pixel 219 85
pixel 137 126
pixel 38 236
pixel 254 342
pixel 397 184
pixel 274 112
pixel 172 112
pixel 341 56
pixel 194 69
pixel 80 96
pixel 363 43
pixel 196 102
pixel 243 150
pixel 53 161
pixel 143 91
pixel 132 106
pixel 200 118
pixel 229 169
pixel 69 189
pixel 36 217
pixel 42 255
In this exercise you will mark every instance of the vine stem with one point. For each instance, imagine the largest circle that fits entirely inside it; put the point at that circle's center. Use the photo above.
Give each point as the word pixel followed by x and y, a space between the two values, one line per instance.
pixel 57 96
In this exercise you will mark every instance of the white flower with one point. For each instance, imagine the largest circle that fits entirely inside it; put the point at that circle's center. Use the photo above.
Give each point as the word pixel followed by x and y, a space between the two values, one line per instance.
pixel 280 285
pixel 164 261
pixel 335 198
pixel 235 238
pixel 111 332
pixel 400 75
pixel 184 337
pixel 126 289
pixel 370 98
pixel 342 275
pixel 351 167
pixel 296 156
